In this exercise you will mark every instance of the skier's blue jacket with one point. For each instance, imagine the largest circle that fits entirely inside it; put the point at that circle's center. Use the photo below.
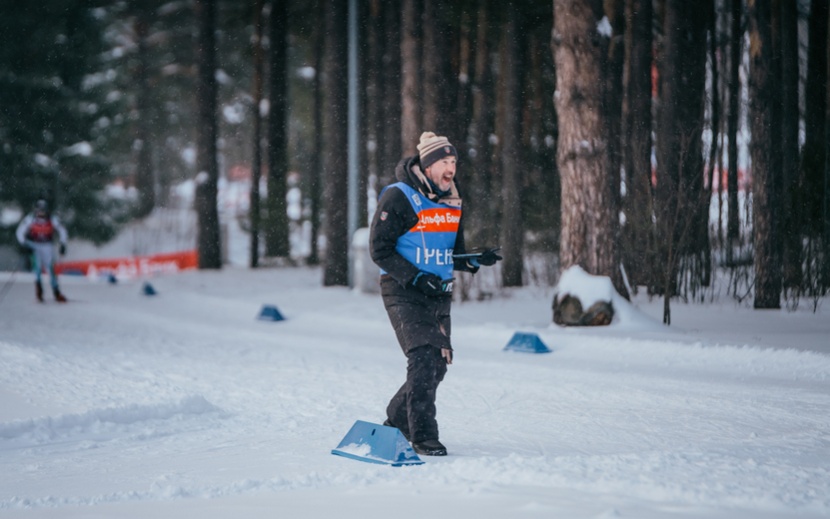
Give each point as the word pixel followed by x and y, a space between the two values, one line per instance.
pixel 429 244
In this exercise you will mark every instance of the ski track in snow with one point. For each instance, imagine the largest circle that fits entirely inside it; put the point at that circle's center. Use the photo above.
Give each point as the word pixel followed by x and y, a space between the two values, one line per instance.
pixel 63 427
pixel 195 398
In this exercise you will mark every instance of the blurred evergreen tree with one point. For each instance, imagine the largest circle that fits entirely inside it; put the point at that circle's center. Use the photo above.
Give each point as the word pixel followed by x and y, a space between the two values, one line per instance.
pixel 56 114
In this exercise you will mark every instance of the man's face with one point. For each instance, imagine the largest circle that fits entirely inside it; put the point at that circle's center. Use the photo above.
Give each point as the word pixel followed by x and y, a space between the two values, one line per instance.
pixel 442 172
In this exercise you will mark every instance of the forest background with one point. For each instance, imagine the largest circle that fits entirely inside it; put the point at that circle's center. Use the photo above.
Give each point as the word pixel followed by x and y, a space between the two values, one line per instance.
pixel 663 143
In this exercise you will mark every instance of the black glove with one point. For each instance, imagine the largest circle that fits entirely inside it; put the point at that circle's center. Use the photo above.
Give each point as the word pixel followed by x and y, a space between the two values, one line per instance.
pixel 489 258
pixel 62 249
pixel 25 248
pixel 431 285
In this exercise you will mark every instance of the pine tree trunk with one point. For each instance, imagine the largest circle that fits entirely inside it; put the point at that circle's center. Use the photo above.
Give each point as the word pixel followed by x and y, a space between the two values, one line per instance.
pixel 335 128
pixel 612 105
pixel 733 221
pixel 276 230
pixel 361 158
pixel 372 111
pixel 478 207
pixel 511 165
pixel 411 113
pixel 541 189
pixel 371 66
pixel 438 83
pixel 638 233
pixel 389 138
pixel 791 225
pixel 458 124
pixel 762 111
pixel 316 173
pixel 826 263
pixel 587 237
pixel 816 101
pixel 209 241
pixel 679 139
pixel 256 163
pixel 704 244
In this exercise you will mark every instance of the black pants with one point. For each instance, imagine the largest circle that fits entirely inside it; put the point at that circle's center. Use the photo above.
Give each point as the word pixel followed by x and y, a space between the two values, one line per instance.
pixel 412 409
pixel 422 325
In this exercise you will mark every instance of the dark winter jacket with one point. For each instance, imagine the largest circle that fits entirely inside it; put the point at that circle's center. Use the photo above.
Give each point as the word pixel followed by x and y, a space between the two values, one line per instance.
pixel 395 217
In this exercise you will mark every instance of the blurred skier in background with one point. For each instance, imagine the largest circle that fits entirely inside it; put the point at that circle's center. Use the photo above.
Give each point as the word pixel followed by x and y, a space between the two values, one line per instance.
pixel 36 234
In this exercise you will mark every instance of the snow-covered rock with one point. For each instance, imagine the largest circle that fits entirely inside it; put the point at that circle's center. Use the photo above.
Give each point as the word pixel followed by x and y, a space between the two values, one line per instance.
pixel 582 299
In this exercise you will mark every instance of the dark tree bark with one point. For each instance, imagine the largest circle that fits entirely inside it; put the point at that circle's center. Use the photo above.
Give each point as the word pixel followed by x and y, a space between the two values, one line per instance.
pixel 763 118
pixel 335 128
pixel 411 113
pixel 826 263
pixel 373 72
pixel 541 189
pixel 511 163
pixel 704 245
pixel 812 153
pixel 361 158
pixel 587 235
pixel 316 173
pixel 461 109
pixel 438 83
pixel 209 241
pixel 276 230
pixel 733 221
pixel 478 206
pixel 679 145
pixel 613 94
pixel 790 216
pixel 389 137
pixel 256 163
pixel 638 235
pixel 612 113
pixel 381 94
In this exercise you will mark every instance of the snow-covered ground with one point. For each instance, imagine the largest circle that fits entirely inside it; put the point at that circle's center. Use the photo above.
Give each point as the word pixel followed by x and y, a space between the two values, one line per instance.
pixel 183 404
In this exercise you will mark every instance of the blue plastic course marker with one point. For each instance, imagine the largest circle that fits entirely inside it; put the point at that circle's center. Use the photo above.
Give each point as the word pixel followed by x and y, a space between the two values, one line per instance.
pixel 148 289
pixel 270 313
pixel 374 443
pixel 527 343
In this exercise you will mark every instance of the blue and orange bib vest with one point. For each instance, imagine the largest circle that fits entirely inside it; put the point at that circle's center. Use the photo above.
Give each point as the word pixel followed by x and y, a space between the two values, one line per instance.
pixel 429 244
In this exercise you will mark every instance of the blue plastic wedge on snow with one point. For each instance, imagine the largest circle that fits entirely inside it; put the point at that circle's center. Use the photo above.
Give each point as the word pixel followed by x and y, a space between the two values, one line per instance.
pixel 527 343
pixel 374 443
pixel 149 290
pixel 270 313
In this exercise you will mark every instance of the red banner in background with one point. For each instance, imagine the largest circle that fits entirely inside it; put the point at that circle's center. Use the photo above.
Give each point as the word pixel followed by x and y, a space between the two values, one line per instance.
pixel 135 266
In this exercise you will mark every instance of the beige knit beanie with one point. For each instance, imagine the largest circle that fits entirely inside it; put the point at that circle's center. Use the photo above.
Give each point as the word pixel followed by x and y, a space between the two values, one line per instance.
pixel 433 148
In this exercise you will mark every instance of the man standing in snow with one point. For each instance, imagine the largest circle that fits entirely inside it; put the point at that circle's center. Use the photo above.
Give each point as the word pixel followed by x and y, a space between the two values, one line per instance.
pixel 415 233
pixel 36 234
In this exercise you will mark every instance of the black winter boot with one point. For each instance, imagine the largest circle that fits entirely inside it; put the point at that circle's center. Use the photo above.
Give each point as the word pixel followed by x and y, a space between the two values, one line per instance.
pixel 430 448
pixel 39 291
pixel 58 296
